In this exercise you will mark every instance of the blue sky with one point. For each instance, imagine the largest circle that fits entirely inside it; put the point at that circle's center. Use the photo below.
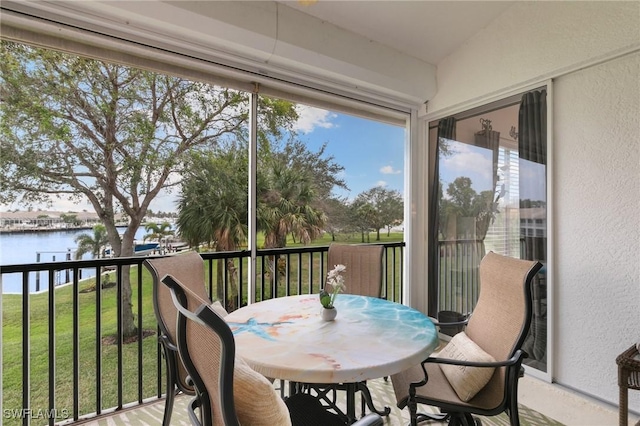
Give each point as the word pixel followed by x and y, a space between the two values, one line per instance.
pixel 371 152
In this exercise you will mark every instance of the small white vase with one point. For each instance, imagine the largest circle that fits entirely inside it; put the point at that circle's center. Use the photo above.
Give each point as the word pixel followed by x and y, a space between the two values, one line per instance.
pixel 329 314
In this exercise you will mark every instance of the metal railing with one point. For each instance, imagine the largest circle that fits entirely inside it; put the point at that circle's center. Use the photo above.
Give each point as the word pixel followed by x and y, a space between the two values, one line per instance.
pixel 65 357
pixel 458 288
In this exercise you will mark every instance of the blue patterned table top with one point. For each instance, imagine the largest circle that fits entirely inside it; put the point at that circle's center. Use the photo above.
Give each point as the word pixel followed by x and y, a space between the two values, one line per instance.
pixel 286 338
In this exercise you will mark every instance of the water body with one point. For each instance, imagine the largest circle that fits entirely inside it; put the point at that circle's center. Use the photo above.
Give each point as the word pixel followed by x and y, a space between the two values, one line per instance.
pixel 31 247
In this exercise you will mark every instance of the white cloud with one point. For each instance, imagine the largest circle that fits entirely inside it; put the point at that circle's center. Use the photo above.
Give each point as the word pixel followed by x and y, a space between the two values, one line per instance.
pixel 310 117
pixel 468 162
pixel 381 183
pixel 389 170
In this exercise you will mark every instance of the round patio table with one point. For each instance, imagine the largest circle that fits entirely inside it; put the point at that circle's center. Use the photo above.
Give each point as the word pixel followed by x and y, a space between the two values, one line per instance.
pixel 285 338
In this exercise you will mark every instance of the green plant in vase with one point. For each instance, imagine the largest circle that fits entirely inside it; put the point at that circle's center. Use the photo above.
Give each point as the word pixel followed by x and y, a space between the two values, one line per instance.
pixel 335 279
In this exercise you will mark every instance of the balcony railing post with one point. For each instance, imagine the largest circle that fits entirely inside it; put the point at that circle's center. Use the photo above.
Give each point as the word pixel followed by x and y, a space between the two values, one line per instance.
pixel 26 349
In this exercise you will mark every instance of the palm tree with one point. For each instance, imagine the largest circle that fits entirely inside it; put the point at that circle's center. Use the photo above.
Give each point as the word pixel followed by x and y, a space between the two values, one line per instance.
pixel 213 203
pixel 286 207
pixel 93 244
pixel 213 208
pixel 158 232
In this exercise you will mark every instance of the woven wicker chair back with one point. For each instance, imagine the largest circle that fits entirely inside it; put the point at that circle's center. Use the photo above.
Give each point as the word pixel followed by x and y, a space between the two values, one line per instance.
pixel 188 268
pixel 205 352
pixel 364 267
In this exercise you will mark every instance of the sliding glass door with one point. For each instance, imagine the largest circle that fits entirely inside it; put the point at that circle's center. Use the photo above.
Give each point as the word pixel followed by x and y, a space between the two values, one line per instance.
pixel 488 193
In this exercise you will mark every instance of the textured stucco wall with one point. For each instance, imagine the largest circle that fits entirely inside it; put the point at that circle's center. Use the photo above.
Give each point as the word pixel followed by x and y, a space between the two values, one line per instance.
pixel 596 134
pixel 597 216
pixel 532 40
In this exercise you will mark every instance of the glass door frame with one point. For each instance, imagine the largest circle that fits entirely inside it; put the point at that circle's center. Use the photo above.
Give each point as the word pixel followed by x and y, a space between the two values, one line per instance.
pixel 463 108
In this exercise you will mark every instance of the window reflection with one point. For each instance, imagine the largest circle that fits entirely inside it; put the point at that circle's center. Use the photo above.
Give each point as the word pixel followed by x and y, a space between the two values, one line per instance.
pixel 489 194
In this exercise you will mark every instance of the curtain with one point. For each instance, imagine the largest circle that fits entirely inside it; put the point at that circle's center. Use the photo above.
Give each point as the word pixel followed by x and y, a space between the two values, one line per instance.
pixel 532 147
pixel 446 130
pixel 532 150
pixel 532 127
pixel 489 139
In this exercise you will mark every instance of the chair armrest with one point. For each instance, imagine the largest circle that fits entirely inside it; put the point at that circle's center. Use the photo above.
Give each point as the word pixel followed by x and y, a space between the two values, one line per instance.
pixel 511 361
pixel 166 341
pixel 516 359
pixel 371 419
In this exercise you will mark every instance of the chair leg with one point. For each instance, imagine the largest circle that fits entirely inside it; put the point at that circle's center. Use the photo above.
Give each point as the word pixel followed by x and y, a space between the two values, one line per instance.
pixel 514 417
pixel 171 391
pixel 365 394
pixel 469 420
pixel 168 407
pixel 413 412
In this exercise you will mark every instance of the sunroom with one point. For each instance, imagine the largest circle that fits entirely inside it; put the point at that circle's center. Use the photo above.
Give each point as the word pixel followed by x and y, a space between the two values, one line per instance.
pixel 456 90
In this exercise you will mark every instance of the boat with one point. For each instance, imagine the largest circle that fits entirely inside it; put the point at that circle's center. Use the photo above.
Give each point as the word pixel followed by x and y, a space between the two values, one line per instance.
pixel 143 248
pixel 146 248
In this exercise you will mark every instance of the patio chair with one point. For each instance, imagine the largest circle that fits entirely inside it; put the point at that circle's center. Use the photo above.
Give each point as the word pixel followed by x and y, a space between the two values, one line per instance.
pixel 189 269
pixel 477 372
pixel 228 392
pixel 364 267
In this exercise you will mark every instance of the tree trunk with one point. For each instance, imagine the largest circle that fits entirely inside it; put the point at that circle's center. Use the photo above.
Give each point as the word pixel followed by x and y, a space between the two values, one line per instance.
pixel 128 320
pixel 378 235
pixel 129 328
pixel 220 282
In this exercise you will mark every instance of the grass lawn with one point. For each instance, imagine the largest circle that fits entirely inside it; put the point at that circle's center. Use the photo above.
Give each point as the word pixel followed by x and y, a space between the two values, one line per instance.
pixel 90 348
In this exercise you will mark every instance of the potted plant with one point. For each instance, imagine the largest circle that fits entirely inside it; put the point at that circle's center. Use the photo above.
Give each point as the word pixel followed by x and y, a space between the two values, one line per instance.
pixel 336 281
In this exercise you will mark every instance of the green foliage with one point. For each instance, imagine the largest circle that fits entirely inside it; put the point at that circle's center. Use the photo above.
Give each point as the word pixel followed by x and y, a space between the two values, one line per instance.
pixel 325 299
pixel 375 209
pixel 339 219
pixel 291 181
pixel 93 244
pixel 75 127
pixel 213 205
pixel 157 232
pixel 470 212
pixel 70 219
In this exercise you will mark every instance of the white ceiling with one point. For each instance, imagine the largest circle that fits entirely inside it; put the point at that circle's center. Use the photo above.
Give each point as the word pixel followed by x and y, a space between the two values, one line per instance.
pixel 384 52
pixel 427 30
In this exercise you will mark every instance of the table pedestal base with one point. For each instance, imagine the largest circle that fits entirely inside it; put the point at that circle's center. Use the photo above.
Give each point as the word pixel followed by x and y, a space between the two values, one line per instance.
pixel 327 393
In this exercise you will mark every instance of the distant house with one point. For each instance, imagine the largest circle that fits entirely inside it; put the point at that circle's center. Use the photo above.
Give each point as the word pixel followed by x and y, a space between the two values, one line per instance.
pixel 47 219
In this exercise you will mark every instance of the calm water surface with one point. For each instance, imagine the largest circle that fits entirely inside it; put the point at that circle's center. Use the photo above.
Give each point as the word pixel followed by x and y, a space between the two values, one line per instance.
pixel 21 248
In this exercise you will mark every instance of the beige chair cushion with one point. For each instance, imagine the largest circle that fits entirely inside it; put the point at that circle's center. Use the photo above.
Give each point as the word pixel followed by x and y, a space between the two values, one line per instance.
pixel 466 381
pixel 256 400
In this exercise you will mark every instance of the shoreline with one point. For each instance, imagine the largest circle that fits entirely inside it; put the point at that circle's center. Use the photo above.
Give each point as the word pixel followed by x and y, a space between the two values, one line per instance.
pixel 32 230
pixel 28 230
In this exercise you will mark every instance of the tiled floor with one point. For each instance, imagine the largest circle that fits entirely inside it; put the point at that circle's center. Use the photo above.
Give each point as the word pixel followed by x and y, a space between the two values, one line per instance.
pixel 556 404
